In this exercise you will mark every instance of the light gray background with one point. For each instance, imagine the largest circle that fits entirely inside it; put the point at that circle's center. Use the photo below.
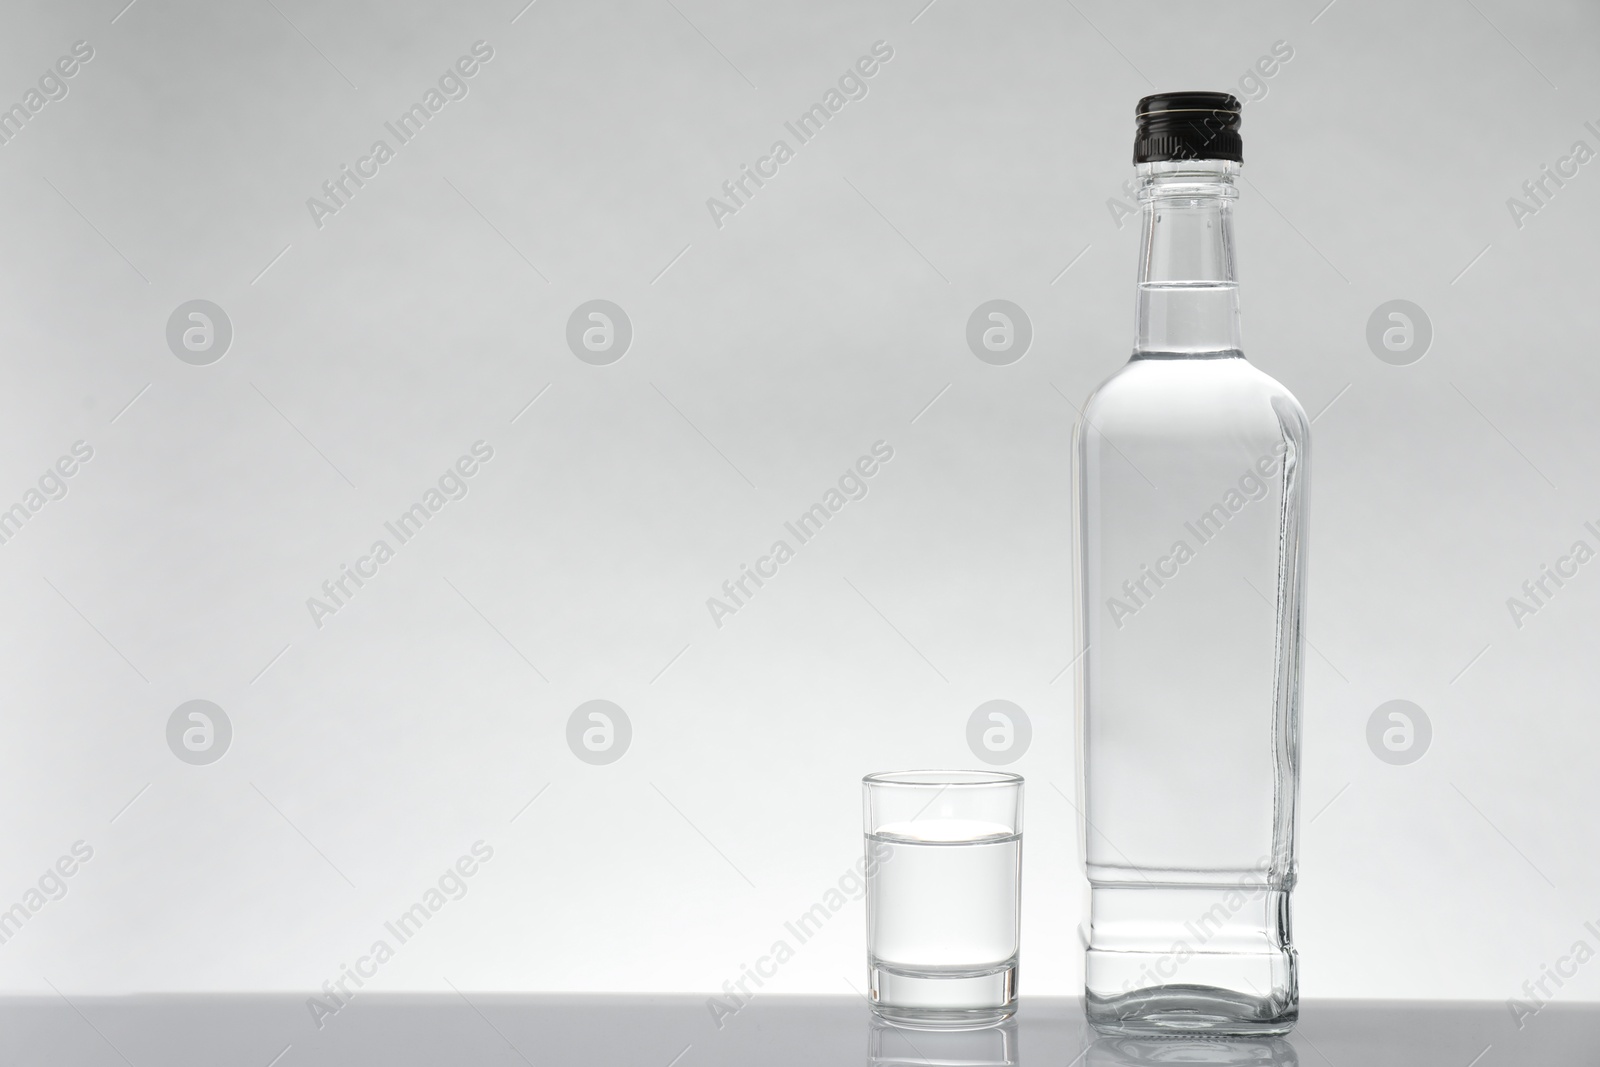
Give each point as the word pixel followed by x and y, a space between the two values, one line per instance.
pixel 768 354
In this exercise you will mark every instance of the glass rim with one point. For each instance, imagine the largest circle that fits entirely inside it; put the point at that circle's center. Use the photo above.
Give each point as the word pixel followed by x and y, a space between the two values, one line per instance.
pixel 941 779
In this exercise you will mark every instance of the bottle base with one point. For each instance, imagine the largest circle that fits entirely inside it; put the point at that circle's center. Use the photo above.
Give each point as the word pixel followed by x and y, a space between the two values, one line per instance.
pixel 1192 1010
pixel 1205 960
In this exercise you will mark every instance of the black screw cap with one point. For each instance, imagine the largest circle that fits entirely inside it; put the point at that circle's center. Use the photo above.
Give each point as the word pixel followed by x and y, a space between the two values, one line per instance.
pixel 1188 126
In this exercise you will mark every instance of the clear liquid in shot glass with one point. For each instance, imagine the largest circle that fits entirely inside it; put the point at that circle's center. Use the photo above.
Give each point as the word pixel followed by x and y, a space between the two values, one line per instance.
pixel 942 921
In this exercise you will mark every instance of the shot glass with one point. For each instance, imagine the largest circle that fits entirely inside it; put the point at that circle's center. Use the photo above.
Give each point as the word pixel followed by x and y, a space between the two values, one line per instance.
pixel 944 873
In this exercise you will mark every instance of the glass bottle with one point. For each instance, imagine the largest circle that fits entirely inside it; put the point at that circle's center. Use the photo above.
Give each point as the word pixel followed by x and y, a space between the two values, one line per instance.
pixel 1190 508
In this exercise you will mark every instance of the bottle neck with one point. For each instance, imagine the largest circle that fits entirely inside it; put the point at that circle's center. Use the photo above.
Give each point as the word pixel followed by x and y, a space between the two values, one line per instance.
pixel 1188 296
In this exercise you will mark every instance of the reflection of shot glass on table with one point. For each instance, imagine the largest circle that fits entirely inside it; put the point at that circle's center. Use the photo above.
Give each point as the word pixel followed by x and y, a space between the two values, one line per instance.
pixel 944 871
pixel 892 1045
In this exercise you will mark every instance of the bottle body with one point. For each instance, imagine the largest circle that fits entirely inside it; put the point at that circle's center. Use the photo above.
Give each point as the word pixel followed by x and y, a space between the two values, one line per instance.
pixel 1191 469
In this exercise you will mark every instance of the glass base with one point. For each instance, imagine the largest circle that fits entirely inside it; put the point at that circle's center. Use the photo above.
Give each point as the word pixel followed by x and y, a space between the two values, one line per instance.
pixel 942 998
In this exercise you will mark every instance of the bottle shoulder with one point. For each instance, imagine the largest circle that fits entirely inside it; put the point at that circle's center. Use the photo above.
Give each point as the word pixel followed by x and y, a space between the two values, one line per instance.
pixel 1168 395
